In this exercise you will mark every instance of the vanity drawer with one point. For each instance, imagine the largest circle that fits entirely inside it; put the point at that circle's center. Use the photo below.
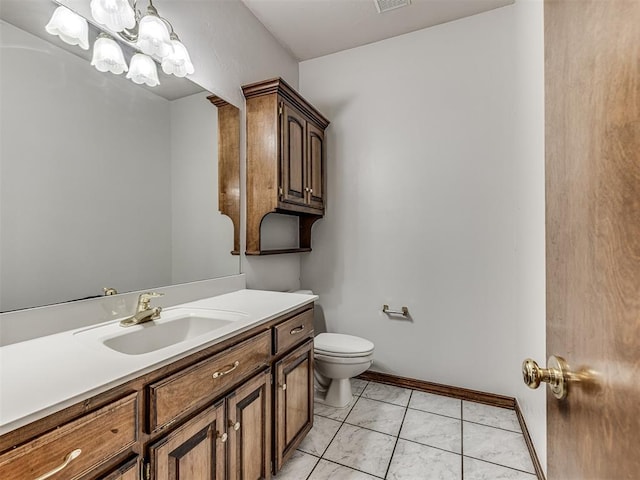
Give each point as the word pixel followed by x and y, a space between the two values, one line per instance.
pixel 292 331
pixel 98 436
pixel 195 386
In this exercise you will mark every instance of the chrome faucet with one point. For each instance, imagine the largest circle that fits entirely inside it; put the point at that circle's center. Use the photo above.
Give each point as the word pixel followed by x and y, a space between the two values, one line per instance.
pixel 144 313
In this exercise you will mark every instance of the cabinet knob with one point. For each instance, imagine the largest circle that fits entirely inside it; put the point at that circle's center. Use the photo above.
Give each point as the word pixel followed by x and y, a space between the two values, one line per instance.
pixel 283 386
pixel 223 437
pixel 236 426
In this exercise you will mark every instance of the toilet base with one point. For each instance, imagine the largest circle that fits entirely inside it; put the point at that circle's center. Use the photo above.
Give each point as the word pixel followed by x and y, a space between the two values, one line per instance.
pixel 338 394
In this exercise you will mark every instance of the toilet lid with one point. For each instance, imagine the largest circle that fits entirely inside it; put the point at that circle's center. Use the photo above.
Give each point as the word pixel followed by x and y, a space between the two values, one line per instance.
pixel 340 344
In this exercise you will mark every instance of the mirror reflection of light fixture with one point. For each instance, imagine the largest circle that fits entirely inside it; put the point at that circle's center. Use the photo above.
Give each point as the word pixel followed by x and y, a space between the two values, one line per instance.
pixel 143 70
pixel 153 34
pixel 177 63
pixel 115 14
pixel 69 26
pixel 149 33
pixel 108 56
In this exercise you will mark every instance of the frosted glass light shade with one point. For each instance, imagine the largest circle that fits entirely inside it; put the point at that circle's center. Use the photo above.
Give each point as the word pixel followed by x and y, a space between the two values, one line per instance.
pixel 107 56
pixel 177 63
pixel 143 70
pixel 115 14
pixel 70 27
pixel 153 36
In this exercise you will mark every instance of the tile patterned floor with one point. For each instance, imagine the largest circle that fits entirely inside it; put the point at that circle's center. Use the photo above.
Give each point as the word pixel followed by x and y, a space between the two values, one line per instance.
pixel 395 433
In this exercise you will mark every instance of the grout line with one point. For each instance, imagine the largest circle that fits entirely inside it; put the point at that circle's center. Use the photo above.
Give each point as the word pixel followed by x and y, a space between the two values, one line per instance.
pixel 435 413
pixel 314 467
pixel 501 465
pixel 461 441
pixel 429 446
pixel 352 468
pixel 497 428
pixel 393 452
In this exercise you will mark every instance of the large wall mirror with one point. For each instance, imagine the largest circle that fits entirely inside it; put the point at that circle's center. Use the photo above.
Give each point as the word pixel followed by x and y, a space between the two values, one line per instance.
pixel 103 183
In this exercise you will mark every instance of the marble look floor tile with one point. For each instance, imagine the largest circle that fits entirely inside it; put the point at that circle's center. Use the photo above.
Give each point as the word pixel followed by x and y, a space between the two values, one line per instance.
pixel 479 470
pixel 332 471
pixel 318 439
pixel 379 416
pixel 298 467
pixel 492 416
pixel 428 402
pixel 357 386
pixel 361 449
pixel 387 393
pixel 496 446
pixel 412 461
pixel 433 430
pixel 338 414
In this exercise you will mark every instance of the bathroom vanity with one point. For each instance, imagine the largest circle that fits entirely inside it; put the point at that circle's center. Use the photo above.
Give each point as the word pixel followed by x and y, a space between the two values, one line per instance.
pixel 230 402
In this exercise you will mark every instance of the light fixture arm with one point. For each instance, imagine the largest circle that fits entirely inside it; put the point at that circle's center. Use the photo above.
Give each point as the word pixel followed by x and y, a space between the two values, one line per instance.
pixel 131 35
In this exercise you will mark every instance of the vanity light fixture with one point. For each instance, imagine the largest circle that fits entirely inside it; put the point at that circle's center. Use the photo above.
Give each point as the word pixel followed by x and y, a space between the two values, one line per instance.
pixel 107 55
pixel 143 70
pixel 150 33
pixel 153 34
pixel 177 63
pixel 69 26
pixel 115 14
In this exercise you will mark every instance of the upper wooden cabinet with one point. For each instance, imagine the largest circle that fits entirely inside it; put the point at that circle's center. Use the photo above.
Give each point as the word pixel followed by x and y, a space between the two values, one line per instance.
pixel 285 160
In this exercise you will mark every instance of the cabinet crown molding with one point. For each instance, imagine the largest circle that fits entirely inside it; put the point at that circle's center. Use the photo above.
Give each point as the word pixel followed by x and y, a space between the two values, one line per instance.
pixel 282 88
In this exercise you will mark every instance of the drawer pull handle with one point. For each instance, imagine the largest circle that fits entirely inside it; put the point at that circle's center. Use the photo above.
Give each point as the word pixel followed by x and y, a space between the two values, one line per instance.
pixel 229 369
pixel 67 460
pixel 223 437
pixel 236 426
pixel 296 330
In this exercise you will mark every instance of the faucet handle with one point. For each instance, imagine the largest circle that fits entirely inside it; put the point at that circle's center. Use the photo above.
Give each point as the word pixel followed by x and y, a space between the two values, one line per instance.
pixel 147 296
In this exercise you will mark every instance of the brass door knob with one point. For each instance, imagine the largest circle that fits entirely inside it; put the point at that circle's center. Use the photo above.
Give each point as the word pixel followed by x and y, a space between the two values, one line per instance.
pixel 556 375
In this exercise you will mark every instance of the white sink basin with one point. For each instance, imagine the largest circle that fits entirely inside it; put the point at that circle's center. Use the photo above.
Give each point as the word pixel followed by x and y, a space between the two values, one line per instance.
pixel 175 326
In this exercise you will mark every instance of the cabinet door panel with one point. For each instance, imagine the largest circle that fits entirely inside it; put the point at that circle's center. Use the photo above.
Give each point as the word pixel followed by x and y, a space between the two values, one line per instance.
pixel 294 400
pixel 316 166
pixel 292 165
pixel 193 450
pixel 250 429
pixel 127 471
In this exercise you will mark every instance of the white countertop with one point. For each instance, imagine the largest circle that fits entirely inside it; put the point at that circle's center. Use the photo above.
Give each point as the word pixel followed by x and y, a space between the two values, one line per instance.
pixel 44 375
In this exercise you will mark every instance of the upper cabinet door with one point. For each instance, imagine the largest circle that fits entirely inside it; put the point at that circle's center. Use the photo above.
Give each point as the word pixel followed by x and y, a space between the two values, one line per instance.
pixel 316 166
pixel 294 186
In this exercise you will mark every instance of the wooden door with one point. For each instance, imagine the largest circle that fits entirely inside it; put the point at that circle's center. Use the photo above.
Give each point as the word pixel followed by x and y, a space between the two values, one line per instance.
pixel 293 399
pixel 196 450
pixel 293 156
pixel 249 427
pixel 315 166
pixel 592 85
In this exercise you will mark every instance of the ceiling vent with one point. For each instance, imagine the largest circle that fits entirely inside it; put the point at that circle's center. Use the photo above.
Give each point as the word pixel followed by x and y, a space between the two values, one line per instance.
pixel 386 5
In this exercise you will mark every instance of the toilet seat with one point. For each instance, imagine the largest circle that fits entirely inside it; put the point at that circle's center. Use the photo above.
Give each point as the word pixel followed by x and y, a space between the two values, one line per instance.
pixel 340 345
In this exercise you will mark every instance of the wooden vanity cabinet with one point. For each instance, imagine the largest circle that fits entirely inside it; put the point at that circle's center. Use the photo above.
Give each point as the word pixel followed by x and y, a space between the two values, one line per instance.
pixel 286 160
pixel 78 447
pixel 232 411
pixel 229 440
pixel 130 470
pixel 293 385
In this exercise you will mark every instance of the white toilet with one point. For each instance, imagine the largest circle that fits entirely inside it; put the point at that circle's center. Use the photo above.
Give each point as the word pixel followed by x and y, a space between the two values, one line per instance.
pixel 338 359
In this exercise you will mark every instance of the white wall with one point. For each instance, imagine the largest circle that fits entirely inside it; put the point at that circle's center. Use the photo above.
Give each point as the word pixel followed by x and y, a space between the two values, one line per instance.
pixel 436 201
